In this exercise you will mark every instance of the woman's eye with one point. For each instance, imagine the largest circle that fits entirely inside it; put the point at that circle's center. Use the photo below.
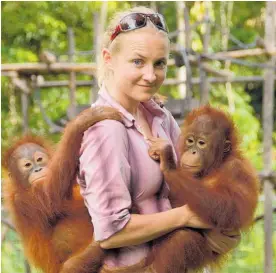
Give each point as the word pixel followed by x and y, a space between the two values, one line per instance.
pixel 161 64
pixel 138 62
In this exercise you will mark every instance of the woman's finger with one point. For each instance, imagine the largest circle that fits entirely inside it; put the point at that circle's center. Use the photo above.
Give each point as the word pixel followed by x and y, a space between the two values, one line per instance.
pixel 153 139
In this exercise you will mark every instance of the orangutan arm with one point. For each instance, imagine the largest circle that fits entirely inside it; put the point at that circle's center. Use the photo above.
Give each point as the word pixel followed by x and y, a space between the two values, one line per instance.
pixel 64 164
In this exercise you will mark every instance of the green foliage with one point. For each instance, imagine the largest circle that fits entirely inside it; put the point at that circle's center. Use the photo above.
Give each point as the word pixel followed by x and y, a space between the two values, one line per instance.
pixel 13 259
pixel 13 251
pixel 249 256
pixel 243 116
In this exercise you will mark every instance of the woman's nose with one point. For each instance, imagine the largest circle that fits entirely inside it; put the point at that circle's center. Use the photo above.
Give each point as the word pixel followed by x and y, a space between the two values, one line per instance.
pixel 149 74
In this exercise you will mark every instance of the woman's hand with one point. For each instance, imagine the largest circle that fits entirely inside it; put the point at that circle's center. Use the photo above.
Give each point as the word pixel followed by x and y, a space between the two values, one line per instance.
pixel 192 220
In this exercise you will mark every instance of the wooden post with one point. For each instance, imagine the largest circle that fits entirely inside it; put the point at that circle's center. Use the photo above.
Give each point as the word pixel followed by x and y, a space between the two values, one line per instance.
pixel 226 10
pixel 188 46
pixel 204 85
pixel 184 73
pixel 99 28
pixel 181 73
pixel 97 52
pixel 268 104
pixel 96 34
pixel 153 5
pixel 101 25
pixel 189 84
pixel 27 267
pixel 72 81
pixel 25 108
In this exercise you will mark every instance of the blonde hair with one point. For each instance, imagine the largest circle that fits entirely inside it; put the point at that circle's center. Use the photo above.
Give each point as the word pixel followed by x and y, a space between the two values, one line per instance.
pixel 114 46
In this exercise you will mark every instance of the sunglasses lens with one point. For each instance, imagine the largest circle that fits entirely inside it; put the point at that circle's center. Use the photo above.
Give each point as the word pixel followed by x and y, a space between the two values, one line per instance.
pixel 133 21
pixel 140 20
pixel 159 21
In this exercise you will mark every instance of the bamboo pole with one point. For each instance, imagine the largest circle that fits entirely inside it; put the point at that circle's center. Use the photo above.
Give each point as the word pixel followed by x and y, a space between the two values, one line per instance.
pixel 168 81
pixel 97 47
pixel 100 21
pixel 188 41
pixel 27 267
pixel 226 15
pixel 204 86
pixel 215 80
pixel 153 5
pixel 7 223
pixel 193 60
pixel 4 232
pixel 41 68
pixel 181 73
pixel 246 53
pixel 25 109
pixel 268 104
pixel 72 76
pixel 65 83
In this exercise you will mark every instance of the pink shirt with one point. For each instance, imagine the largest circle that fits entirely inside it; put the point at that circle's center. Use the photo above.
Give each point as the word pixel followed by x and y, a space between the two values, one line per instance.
pixel 117 174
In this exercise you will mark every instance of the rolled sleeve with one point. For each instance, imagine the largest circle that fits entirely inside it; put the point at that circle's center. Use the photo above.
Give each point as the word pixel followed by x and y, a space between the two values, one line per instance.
pixel 104 177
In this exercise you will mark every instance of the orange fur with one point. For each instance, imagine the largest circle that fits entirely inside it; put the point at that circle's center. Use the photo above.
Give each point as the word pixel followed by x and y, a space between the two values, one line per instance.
pixel 56 229
pixel 224 197
pixel 50 215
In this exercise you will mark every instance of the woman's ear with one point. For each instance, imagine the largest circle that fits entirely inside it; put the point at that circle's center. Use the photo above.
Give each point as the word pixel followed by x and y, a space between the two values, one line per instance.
pixel 107 58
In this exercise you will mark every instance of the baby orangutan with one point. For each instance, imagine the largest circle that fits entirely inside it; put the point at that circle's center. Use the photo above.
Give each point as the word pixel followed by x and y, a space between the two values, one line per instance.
pixel 44 201
pixel 216 182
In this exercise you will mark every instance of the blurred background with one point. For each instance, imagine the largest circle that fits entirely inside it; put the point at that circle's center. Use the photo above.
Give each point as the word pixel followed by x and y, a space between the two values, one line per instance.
pixel 223 53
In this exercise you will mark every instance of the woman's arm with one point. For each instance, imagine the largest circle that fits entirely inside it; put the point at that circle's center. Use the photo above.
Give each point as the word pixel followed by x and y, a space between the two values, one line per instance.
pixel 106 191
pixel 144 228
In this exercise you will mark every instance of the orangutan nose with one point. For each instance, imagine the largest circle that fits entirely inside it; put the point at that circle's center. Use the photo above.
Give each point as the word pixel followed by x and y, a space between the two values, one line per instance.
pixel 38 170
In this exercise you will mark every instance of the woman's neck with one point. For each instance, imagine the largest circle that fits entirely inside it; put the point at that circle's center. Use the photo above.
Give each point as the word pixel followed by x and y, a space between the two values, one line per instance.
pixel 129 104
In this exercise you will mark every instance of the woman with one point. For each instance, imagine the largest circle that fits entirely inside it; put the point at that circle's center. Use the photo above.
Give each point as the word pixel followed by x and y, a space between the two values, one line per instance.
pixel 122 186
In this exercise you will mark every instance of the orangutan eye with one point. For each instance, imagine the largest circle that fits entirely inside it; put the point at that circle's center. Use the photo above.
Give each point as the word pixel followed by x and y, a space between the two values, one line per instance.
pixel 190 141
pixel 24 164
pixel 41 158
pixel 201 144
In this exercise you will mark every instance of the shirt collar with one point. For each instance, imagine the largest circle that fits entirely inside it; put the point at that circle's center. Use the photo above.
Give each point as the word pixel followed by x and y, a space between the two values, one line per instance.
pixel 128 118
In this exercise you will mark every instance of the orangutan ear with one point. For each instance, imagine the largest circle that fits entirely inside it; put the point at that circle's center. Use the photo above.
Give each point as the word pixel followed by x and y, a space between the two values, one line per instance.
pixel 227 146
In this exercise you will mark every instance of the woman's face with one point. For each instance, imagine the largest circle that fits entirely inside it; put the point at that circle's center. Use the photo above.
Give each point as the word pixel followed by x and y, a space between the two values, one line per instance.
pixel 140 66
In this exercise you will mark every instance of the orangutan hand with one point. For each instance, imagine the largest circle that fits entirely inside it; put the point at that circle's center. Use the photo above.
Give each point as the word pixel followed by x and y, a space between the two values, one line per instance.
pixel 222 241
pixel 157 147
pixel 161 149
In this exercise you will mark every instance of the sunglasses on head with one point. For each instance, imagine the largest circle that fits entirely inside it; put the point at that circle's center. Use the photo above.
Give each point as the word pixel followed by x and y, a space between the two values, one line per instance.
pixel 138 20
